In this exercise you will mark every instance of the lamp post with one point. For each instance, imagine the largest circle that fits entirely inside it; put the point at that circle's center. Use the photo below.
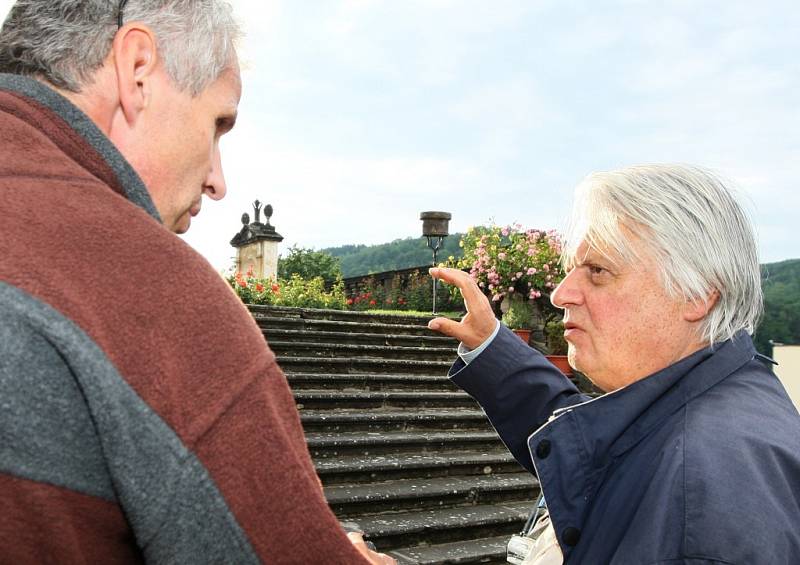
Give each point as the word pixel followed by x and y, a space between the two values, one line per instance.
pixel 434 228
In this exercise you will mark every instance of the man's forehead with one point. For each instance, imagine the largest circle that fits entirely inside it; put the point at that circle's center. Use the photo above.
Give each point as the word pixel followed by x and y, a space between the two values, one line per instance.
pixel 598 252
pixel 231 79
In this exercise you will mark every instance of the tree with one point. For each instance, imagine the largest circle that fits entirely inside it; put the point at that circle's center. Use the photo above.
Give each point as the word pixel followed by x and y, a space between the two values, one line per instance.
pixel 308 264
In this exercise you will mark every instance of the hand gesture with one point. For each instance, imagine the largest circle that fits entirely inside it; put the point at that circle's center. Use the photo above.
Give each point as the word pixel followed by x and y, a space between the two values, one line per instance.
pixel 479 323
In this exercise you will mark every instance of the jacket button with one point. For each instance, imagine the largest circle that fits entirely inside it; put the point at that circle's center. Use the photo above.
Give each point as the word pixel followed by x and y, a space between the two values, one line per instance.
pixel 571 536
pixel 543 449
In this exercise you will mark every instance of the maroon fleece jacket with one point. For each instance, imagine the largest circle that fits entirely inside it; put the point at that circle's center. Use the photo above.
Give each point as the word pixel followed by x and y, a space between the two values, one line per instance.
pixel 143 416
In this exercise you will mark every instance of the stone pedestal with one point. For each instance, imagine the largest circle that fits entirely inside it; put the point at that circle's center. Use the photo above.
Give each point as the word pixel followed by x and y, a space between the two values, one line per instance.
pixel 261 257
pixel 257 245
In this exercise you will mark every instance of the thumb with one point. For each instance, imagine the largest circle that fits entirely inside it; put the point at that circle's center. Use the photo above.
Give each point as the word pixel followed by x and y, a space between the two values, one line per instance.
pixel 447 327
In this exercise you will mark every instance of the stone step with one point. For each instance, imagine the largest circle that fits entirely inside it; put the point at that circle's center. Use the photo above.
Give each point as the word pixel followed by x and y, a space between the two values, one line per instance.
pixel 349 350
pixel 368 382
pixel 408 494
pixel 462 552
pixel 359 338
pixel 363 317
pixel 338 444
pixel 401 530
pixel 326 399
pixel 289 323
pixel 366 468
pixel 362 365
pixel 356 419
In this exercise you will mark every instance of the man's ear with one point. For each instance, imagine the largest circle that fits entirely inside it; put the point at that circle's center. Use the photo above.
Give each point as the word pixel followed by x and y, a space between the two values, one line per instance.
pixel 696 310
pixel 135 62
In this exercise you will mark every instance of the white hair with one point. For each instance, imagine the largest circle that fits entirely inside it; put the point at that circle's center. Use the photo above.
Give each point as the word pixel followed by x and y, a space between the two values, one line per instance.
pixel 64 42
pixel 693 226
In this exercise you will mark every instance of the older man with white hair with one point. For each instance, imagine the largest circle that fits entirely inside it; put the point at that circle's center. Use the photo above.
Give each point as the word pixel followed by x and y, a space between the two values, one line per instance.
pixel 142 416
pixel 693 455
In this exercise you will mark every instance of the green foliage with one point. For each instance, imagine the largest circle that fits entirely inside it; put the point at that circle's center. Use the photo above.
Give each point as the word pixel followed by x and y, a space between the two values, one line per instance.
pixel 554 336
pixel 399 254
pixel 311 293
pixel 296 291
pixel 415 294
pixel 519 315
pixel 309 264
pixel 781 322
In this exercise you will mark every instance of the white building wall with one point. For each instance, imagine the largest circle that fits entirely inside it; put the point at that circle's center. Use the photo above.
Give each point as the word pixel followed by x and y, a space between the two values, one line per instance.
pixel 788 369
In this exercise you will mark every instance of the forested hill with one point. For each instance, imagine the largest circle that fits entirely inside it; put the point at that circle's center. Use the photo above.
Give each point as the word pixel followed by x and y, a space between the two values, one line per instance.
pixel 781 323
pixel 399 254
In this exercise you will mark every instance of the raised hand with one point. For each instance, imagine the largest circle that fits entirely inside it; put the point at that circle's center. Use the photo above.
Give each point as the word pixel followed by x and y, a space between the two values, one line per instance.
pixel 479 323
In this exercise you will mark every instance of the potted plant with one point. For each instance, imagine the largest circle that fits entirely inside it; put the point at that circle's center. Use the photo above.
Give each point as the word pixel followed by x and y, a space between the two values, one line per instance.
pixel 519 317
pixel 557 345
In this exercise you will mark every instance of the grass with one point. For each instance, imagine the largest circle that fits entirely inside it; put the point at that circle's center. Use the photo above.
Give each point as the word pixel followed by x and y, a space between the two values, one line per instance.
pixel 417 313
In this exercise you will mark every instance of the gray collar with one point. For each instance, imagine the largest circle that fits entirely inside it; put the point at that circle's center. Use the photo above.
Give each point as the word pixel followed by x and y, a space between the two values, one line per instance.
pixel 135 190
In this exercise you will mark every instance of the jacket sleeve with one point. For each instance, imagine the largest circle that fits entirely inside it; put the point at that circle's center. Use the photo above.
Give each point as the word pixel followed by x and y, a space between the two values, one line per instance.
pixel 517 387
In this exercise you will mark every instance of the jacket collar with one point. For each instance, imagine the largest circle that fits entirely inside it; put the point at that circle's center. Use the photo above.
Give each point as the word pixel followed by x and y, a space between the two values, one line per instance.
pixel 619 420
pixel 127 178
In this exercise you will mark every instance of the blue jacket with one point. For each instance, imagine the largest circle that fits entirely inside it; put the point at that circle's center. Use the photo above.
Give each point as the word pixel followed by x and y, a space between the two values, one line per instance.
pixel 697 463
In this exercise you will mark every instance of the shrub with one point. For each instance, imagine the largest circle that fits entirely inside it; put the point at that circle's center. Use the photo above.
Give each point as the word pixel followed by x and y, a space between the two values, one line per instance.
pixel 296 291
pixel 309 264
pixel 508 260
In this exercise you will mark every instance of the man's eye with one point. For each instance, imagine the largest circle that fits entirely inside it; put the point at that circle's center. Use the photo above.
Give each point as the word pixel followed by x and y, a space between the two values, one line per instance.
pixel 598 274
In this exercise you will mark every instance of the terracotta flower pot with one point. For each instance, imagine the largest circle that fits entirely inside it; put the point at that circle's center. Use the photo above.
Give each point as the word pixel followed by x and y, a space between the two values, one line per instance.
pixel 561 363
pixel 524 335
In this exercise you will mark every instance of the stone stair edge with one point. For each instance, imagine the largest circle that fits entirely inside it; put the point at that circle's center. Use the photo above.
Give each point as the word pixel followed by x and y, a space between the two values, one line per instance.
pixel 281 332
pixel 299 312
pixel 368 377
pixel 262 320
pixel 287 359
pixel 309 394
pixel 400 349
pixel 413 461
pixel 343 439
pixel 444 518
pixel 466 551
pixel 359 415
pixel 399 489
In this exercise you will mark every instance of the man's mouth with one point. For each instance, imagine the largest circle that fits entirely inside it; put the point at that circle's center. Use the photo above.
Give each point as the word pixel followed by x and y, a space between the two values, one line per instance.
pixel 570 329
pixel 194 210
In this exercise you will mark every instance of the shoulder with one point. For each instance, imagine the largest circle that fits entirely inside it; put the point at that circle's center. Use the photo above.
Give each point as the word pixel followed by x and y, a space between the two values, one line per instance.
pixel 742 458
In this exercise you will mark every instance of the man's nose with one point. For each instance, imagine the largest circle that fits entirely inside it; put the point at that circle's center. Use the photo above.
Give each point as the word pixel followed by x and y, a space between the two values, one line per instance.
pixel 567 292
pixel 215 187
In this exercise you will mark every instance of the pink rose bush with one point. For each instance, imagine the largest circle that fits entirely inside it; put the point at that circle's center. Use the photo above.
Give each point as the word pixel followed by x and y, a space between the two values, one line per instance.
pixel 512 261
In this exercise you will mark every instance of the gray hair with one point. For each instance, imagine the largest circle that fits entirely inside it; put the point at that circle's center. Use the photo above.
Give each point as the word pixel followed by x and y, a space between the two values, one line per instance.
pixel 692 225
pixel 64 42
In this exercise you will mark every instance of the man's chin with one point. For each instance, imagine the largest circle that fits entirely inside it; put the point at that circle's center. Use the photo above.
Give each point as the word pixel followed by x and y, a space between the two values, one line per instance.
pixel 182 224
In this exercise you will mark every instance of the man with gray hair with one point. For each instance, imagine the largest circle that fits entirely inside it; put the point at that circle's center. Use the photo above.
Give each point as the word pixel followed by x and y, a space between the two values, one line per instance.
pixel 693 455
pixel 142 416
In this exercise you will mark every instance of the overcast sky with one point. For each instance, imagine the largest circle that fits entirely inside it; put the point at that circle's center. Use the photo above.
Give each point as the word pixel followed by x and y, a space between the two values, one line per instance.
pixel 357 115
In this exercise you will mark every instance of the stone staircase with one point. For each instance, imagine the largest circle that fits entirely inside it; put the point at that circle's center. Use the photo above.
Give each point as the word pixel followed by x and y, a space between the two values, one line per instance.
pixel 402 453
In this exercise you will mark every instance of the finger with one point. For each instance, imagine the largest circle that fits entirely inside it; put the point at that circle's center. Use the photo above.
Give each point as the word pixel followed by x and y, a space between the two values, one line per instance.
pixel 470 331
pixel 465 283
pixel 446 326
pixel 373 556
pixel 356 538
